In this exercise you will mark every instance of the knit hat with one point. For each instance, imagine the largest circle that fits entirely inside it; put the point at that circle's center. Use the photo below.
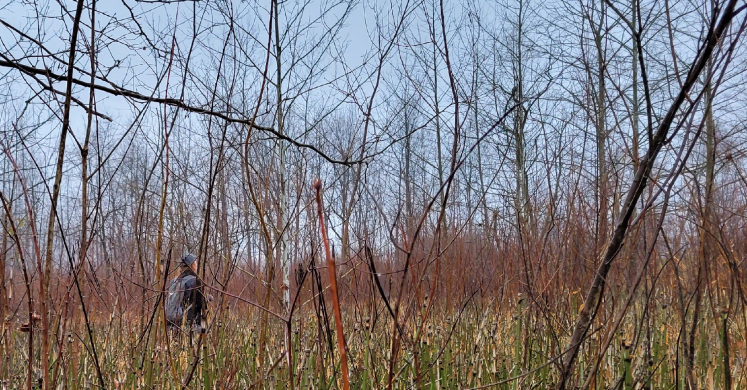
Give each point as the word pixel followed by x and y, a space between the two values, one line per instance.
pixel 188 259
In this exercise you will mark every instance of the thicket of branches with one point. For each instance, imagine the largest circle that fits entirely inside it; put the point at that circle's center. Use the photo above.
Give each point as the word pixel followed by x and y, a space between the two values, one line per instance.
pixel 470 152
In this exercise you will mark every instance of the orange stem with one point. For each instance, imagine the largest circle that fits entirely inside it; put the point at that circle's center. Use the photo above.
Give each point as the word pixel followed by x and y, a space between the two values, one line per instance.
pixel 333 288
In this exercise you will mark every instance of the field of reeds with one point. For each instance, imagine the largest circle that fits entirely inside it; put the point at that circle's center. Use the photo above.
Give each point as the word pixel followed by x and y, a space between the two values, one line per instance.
pixel 425 195
pixel 499 343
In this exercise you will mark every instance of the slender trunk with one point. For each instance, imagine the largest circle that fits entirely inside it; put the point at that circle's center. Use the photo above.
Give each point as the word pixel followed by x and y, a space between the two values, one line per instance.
pixel 725 347
pixel 46 273
pixel 524 217
pixel 84 156
pixel 283 201
pixel 161 318
pixel 263 321
pixel 708 246
pixel 601 137
pixel 407 176
pixel 226 242
pixel 522 183
pixel 636 108
pixel 346 210
pixel 83 244
pixel 483 205
pixel 439 146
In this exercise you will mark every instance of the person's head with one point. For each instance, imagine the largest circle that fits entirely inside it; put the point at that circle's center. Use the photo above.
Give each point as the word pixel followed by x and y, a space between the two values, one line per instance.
pixel 189 261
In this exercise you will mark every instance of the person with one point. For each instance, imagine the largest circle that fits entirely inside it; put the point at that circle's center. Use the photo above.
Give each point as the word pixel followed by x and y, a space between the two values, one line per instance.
pixel 185 304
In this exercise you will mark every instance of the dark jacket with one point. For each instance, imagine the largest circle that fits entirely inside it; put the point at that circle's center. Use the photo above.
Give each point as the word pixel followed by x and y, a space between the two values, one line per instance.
pixel 193 302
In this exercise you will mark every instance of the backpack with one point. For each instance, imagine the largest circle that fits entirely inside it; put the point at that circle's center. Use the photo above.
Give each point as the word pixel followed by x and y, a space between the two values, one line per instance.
pixel 174 304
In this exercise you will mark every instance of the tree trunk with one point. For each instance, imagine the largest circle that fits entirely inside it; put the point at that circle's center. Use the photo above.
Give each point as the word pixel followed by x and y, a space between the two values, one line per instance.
pixel 601 137
pixel 46 273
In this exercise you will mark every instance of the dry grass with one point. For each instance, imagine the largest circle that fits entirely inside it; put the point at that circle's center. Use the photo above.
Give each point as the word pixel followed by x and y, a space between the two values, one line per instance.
pixel 507 346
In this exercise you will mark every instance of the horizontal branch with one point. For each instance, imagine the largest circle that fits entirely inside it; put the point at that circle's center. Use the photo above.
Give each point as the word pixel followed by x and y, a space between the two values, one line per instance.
pixel 118 91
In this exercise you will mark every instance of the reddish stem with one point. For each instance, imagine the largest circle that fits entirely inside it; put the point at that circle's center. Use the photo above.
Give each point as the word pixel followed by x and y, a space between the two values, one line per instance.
pixel 333 288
